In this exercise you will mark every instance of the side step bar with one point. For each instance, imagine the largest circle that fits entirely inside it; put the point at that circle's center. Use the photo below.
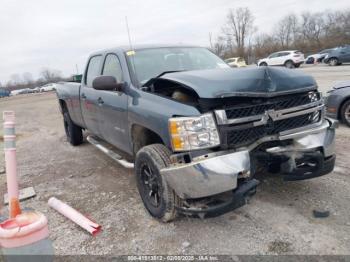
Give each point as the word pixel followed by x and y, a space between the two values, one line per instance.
pixel 109 152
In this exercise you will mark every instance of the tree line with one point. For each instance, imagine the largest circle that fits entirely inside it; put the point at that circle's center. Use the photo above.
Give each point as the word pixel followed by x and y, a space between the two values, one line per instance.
pixel 26 80
pixel 308 32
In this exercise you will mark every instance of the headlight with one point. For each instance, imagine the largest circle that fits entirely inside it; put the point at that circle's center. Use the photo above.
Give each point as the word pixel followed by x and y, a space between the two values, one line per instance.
pixel 190 133
pixel 314 96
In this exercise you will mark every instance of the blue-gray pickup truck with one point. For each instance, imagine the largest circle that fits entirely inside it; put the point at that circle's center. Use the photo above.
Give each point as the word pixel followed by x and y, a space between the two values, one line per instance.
pixel 198 133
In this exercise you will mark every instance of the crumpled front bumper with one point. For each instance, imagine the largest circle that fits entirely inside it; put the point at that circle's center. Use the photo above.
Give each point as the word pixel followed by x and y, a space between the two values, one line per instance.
pixel 219 172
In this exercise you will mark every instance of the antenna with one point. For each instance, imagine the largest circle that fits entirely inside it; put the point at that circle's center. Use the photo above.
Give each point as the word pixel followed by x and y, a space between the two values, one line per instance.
pixel 127 28
pixel 131 47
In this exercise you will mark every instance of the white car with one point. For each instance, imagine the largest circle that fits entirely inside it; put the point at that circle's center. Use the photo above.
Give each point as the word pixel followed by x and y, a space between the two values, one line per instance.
pixel 290 59
pixel 48 87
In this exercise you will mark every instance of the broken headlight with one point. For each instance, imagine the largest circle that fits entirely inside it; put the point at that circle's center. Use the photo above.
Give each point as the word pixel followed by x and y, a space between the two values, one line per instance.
pixel 190 133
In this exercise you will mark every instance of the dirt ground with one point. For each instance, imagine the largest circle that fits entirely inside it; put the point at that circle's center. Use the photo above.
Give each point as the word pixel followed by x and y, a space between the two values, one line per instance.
pixel 278 219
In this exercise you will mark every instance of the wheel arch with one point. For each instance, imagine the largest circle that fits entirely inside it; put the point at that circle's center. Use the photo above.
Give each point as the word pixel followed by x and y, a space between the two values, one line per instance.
pixel 62 105
pixel 143 136
pixel 288 60
pixel 347 98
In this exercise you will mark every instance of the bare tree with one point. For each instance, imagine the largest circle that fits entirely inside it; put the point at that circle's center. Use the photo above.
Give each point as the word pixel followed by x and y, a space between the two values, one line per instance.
pixel 286 30
pixel 27 78
pixel 218 47
pixel 50 75
pixel 239 26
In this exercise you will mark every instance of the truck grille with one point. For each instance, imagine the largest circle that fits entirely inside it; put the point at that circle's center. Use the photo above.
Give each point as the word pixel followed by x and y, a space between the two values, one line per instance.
pixel 242 136
pixel 242 126
pixel 276 104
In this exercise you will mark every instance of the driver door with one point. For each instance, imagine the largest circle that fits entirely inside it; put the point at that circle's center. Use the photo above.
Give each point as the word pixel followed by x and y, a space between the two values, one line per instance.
pixel 113 116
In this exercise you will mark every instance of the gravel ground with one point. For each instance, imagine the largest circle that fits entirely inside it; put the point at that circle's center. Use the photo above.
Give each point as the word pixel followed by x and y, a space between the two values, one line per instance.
pixel 278 219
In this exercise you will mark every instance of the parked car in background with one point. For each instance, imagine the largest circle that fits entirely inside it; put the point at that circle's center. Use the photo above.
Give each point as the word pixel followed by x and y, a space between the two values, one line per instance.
pixel 318 57
pixel 289 59
pixel 338 102
pixel 15 92
pixel 48 87
pixel 4 92
pixel 36 89
pixel 236 62
pixel 337 56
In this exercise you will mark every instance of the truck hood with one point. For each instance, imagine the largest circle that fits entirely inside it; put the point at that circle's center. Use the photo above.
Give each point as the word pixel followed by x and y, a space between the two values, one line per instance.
pixel 255 82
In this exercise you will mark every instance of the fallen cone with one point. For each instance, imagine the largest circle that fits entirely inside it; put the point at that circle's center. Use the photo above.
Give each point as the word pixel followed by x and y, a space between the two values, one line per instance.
pixel 74 215
pixel 24 229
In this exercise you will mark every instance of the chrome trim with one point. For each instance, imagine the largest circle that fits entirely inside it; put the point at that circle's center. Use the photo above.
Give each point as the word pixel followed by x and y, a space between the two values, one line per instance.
pixel 221 116
pixel 209 176
pixel 218 172
pixel 116 157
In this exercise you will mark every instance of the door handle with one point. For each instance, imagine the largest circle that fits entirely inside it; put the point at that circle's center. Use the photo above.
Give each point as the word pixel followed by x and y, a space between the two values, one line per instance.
pixel 83 96
pixel 100 101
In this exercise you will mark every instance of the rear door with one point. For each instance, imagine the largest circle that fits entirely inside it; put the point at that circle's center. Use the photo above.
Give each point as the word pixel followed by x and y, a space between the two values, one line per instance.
pixel 88 95
pixel 113 106
pixel 273 59
pixel 281 58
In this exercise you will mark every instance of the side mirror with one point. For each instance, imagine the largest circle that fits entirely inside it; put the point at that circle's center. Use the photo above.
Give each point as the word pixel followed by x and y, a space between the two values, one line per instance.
pixel 107 83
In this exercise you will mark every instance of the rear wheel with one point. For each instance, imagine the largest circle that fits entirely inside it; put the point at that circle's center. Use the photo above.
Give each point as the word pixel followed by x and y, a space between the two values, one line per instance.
pixel 158 198
pixel 297 65
pixel 345 113
pixel 263 64
pixel 74 133
pixel 289 64
pixel 333 61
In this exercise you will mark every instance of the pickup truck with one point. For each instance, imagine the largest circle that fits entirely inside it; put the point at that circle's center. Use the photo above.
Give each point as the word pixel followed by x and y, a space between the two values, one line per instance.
pixel 198 133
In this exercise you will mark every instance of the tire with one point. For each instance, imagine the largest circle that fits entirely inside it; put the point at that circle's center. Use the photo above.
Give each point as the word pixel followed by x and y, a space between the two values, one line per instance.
pixel 158 198
pixel 74 133
pixel 345 113
pixel 297 65
pixel 333 61
pixel 289 64
pixel 263 64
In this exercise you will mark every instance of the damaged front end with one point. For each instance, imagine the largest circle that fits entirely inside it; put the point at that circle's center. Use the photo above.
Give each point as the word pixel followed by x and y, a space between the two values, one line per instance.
pixel 252 121
pixel 286 135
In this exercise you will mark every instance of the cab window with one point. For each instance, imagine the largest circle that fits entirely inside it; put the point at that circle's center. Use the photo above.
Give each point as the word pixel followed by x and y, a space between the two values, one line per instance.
pixel 93 69
pixel 112 67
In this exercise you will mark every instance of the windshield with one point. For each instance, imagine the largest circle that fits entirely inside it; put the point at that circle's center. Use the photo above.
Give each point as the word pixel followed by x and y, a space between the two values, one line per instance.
pixel 149 63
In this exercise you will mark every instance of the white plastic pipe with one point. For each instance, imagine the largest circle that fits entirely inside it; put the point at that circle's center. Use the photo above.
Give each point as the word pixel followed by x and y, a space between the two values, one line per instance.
pixel 11 162
pixel 74 215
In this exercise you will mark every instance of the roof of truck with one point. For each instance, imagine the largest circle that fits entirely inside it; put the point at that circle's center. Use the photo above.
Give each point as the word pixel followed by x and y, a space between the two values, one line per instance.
pixel 125 48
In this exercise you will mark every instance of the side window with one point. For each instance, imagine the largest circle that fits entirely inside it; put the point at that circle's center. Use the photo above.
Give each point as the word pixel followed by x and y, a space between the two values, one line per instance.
pixel 112 67
pixel 274 55
pixel 93 70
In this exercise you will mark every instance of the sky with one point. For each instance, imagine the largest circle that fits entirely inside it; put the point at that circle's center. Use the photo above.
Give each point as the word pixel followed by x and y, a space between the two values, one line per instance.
pixel 60 34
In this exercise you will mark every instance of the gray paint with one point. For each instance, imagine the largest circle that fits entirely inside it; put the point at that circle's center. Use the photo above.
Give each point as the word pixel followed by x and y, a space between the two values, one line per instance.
pixel 261 81
pixel 337 97
pixel 113 120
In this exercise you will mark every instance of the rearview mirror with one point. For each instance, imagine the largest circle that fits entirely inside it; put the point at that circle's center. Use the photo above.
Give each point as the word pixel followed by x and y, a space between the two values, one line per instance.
pixel 107 83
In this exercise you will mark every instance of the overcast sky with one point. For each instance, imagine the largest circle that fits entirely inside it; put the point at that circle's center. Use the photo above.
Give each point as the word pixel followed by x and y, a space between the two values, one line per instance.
pixel 59 34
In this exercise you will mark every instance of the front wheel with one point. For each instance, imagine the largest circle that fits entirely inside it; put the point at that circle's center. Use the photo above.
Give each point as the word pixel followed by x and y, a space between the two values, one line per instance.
pixel 74 133
pixel 345 113
pixel 158 198
pixel 333 62
pixel 263 64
